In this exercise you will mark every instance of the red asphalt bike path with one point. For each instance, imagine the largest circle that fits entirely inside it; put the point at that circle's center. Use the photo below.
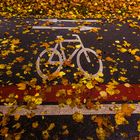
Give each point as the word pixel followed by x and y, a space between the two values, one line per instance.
pixel 126 93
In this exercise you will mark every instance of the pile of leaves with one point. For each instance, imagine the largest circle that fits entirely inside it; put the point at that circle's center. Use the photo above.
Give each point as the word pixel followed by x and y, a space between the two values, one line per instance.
pixel 72 9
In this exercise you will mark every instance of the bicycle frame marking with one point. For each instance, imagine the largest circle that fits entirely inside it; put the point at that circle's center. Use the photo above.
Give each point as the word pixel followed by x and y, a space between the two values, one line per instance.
pixel 74 53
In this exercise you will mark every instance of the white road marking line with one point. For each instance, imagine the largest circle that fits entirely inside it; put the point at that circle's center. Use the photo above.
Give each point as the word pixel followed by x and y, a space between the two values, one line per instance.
pixel 67 20
pixel 67 110
pixel 83 28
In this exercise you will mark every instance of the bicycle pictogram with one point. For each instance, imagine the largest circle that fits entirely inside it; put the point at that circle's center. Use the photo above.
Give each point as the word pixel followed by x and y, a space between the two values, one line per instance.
pixel 61 55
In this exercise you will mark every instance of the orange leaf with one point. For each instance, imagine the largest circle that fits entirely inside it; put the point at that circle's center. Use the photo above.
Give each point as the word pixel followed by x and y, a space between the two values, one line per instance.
pixel 137 58
pixel 109 59
pixel 21 86
pixel 99 121
pixel 20 59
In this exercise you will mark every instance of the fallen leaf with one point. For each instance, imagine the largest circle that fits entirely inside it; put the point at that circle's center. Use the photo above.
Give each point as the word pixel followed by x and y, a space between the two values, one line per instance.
pixel 21 86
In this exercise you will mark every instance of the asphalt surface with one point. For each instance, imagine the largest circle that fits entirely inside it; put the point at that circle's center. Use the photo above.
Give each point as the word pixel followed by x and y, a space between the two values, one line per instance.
pixel 105 40
pixel 77 131
pixel 110 32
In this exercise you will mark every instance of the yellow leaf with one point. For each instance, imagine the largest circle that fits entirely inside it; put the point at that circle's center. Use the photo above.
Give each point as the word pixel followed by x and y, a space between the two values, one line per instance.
pixel 100 74
pixel 18 137
pixel 38 87
pixel 119 118
pixel 17 125
pixel 36 95
pixel 5 41
pixel 94 29
pixel 138 128
pixel 78 117
pixel 98 79
pixel 110 91
pixel 51 126
pixel 123 50
pixel 33 81
pixel 45 134
pixel 59 39
pixel 99 38
pixel 27 98
pixel 2 66
pixel 117 41
pixel 68 101
pixel 98 51
pixel 26 31
pixel 65 132
pixel 38 101
pixel 103 93
pixel 122 78
pixel 35 124
pixel 61 73
pixel 9 72
pixel 64 127
pixel 89 85
pixel 78 46
pixel 89 138
pixel 133 51
pixel 101 133
pixel 126 44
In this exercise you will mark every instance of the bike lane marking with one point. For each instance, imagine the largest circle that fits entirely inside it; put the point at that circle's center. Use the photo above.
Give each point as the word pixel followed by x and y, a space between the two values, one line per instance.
pixel 62 57
pixel 67 110
pixel 66 20
pixel 83 28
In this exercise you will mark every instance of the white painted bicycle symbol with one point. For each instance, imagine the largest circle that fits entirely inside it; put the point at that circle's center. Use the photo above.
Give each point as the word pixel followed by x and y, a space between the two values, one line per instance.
pixel 79 52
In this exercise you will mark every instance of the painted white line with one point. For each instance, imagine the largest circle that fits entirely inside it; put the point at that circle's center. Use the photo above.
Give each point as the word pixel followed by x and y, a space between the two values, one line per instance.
pixel 67 110
pixel 83 28
pixel 67 20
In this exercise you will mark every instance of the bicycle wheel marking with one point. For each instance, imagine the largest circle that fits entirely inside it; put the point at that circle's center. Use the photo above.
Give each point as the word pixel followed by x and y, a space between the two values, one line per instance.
pixel 79 63
pixel 41 74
